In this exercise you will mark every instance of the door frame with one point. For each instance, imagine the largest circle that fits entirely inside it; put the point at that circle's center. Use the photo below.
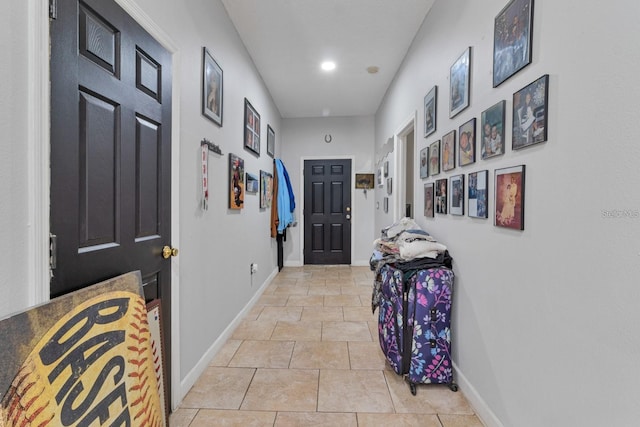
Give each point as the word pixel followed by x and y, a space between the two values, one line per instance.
pixel 38 161
pixel 399 160
pixel 352 191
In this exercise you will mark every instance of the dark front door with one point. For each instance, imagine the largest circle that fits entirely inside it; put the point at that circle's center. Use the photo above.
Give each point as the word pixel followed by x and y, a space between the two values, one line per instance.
pixel 110 151
pixel 327 211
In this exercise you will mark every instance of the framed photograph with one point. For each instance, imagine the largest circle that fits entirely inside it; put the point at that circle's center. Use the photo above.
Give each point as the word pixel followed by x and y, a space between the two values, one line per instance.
pixel 428 200
pixel 271 141
pixel 457 195
pixel 441 196
pixel 449 151
pixel 430 111
pixel 492 125
pixel 467 143
pixel 266 189
pixel 424 162
pixel 512 39
pixel 530 114
pixel 236 182
pixel 434 158
pixel 364 181
pixel 478 194
pixel 389 185
pixel 211 88
pixel 251 128
pixel 509 191
pixel 386 169
pixel 251 183
pixel 379 174
pixel 459 81
pixel 386 204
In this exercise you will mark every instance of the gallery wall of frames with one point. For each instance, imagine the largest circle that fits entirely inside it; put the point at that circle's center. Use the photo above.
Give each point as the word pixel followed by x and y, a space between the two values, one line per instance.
pixel 447 191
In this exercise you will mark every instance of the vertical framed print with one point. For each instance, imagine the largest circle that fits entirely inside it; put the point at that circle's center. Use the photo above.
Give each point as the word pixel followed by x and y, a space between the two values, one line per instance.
pixel 441 196
pixel 478 194
pixel 251 128
pixel 428 200
pixel 271 141
pixel 236 182
pixel 434 158
pixel 211 88
pixel 509 191
pixel 459 81
pixel 449 151
pixel 266 189
pixel 512 39
pixel 492 125
pixel 530 114
pixel 430 111
pixel 424 163
pixel 457 195
pixel 467 143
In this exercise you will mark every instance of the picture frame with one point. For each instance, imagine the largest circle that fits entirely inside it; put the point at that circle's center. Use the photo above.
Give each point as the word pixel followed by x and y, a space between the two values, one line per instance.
pixel 492 130
pixel 386 168
pixel 236 182
pixel 266 189
pixel 434 158
pixel 271 141
pixel 389 185
pixel 459 83
pixel 364 181
pixel 441 196
pixel 509 186
pixel 386 205
pixel 530 114
pixel 424 163
pixel 251 183
pixel 457 194
pixel 449 151
pixel 428 200
pixel 467 143
pixel 212 88
pixel 251 128
pixel 379 174
pixel 430 111
pixel 478 194
pixel 512 39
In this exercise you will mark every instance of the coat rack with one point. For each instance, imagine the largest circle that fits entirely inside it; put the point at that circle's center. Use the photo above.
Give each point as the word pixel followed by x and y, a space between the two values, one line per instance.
pixel 211 146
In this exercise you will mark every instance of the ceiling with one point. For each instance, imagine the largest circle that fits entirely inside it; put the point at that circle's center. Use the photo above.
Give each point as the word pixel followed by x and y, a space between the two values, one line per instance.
pixel 288 40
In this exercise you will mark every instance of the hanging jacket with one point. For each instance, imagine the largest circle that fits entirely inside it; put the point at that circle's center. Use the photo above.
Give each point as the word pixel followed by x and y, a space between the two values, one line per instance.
pixel 284 198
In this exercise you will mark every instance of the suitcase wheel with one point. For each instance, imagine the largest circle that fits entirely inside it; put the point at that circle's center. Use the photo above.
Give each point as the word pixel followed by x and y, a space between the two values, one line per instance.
pixel 412 387
pixel 453 387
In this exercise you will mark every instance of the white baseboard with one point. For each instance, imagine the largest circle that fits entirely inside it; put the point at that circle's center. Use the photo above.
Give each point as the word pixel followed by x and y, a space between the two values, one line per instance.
pixel 480 407
pixel 360 263
pixel 191 378
pixel 293 264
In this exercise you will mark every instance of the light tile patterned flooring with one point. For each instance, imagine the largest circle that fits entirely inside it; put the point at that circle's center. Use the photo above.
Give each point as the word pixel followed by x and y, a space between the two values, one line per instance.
pixel 308 355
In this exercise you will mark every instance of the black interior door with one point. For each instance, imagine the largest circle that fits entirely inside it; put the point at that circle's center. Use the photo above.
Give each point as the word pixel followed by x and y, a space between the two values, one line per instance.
pixel 110 152
pixel 327 211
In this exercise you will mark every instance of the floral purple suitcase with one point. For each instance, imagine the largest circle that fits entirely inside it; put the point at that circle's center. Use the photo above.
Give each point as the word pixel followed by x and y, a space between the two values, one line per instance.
pixel 429 298
pixel 414 325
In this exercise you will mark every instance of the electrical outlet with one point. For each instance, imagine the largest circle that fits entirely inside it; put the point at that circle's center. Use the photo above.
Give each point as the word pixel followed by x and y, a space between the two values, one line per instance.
pixel 254 268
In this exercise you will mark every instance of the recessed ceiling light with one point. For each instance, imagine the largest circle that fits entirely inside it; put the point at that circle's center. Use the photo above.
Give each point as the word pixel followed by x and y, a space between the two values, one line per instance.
pixel 328 65
pixel 373 69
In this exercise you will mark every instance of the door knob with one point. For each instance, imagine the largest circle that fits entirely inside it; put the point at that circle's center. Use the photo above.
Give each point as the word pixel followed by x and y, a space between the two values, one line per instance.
pixel 168 252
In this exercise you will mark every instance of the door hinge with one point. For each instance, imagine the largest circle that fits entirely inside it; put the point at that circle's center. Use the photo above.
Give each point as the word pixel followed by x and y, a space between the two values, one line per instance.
pixel 53 9
pixel 53 251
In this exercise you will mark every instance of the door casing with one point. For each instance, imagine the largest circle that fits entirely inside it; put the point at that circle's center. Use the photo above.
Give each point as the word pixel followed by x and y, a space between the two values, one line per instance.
pixel 38 151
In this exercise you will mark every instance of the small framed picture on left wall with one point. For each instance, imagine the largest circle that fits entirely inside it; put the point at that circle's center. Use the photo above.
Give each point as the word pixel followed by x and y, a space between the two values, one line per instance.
pixel 211 88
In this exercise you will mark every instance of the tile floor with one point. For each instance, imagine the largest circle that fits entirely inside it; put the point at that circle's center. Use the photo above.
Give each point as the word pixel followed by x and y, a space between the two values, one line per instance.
pixel 307 355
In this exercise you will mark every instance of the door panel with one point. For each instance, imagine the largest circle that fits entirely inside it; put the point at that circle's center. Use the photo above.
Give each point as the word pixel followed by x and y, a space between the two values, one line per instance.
pixel 327 238
pixel 110 152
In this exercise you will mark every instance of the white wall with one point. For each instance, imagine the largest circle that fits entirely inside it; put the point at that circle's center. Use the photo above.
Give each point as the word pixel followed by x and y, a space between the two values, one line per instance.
pixel 545 319
pixel 14 289
pixel 351 136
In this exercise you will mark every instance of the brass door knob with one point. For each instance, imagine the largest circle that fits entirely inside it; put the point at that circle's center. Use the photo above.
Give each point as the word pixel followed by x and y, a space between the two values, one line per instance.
pixel 168 252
